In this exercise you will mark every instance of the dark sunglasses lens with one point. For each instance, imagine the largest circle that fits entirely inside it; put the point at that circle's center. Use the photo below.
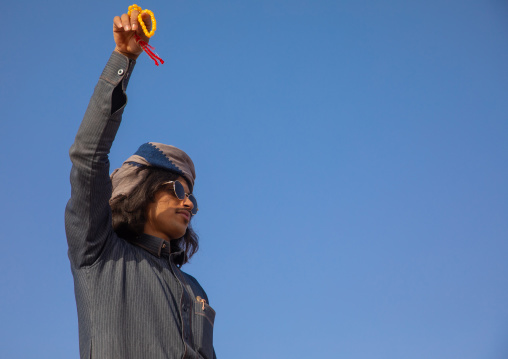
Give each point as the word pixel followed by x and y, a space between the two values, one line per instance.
pixel 179 190
pixel 195 203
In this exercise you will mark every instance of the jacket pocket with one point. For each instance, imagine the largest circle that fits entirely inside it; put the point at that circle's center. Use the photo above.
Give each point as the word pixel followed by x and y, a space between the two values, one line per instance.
pixel 203 319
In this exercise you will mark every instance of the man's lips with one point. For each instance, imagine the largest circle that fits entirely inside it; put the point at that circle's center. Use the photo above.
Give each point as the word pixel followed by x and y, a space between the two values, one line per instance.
pixel 185 213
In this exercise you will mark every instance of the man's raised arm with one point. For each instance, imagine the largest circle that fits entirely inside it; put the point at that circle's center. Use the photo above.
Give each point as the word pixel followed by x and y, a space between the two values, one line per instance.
pixel 88 214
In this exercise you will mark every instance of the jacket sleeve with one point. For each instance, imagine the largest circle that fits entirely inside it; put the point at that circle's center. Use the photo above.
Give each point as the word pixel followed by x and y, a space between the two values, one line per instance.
pixel 88 214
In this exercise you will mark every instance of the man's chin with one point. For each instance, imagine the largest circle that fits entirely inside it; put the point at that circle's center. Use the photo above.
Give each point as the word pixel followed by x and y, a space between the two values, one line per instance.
pixel 178 235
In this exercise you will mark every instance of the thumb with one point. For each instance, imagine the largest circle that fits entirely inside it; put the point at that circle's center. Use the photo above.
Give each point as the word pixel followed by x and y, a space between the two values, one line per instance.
pixel 147 20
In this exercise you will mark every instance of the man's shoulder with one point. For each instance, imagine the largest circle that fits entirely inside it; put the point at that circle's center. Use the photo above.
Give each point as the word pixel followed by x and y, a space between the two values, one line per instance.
pixel 196 287
pixel 190 278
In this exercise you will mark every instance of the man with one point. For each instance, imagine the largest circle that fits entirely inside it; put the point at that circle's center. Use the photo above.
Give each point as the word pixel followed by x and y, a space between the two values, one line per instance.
pixel 129 235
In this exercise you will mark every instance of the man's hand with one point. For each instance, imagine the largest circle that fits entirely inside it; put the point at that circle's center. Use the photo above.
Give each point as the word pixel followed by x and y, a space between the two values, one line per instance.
pixel 124 28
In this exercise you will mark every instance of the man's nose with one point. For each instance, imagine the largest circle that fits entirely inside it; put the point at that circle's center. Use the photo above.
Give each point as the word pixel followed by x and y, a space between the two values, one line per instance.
pixel 188 203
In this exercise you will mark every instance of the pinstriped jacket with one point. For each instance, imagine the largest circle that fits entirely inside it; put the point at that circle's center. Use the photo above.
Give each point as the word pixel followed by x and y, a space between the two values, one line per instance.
pixel 133 300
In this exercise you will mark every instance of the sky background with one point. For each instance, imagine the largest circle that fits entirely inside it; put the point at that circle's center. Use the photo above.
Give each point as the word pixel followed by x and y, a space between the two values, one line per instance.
pixel 351 165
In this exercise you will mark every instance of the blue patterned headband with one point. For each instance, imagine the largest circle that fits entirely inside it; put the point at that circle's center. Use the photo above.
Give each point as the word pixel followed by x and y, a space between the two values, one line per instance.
pixel 151 154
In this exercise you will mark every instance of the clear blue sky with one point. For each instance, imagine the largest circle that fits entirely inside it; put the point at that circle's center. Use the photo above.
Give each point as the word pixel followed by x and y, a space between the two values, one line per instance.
pixel 351 169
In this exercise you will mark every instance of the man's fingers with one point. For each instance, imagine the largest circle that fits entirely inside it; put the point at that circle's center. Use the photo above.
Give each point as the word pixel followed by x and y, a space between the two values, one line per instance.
pixel 126 22
pixel 117 23
pixel 131 23
pixel 134 19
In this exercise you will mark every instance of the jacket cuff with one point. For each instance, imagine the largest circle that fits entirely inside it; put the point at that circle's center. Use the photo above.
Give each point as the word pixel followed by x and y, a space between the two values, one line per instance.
pixel 118 69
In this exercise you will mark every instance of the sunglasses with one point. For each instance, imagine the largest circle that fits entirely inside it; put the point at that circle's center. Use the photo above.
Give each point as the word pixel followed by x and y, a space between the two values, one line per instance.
pixel 179 193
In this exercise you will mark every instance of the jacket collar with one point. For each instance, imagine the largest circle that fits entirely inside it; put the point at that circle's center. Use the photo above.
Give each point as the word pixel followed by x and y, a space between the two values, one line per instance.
pixel 158 247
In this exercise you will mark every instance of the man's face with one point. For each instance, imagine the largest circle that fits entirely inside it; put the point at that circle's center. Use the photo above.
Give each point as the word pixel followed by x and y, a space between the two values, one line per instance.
pixel 168 217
